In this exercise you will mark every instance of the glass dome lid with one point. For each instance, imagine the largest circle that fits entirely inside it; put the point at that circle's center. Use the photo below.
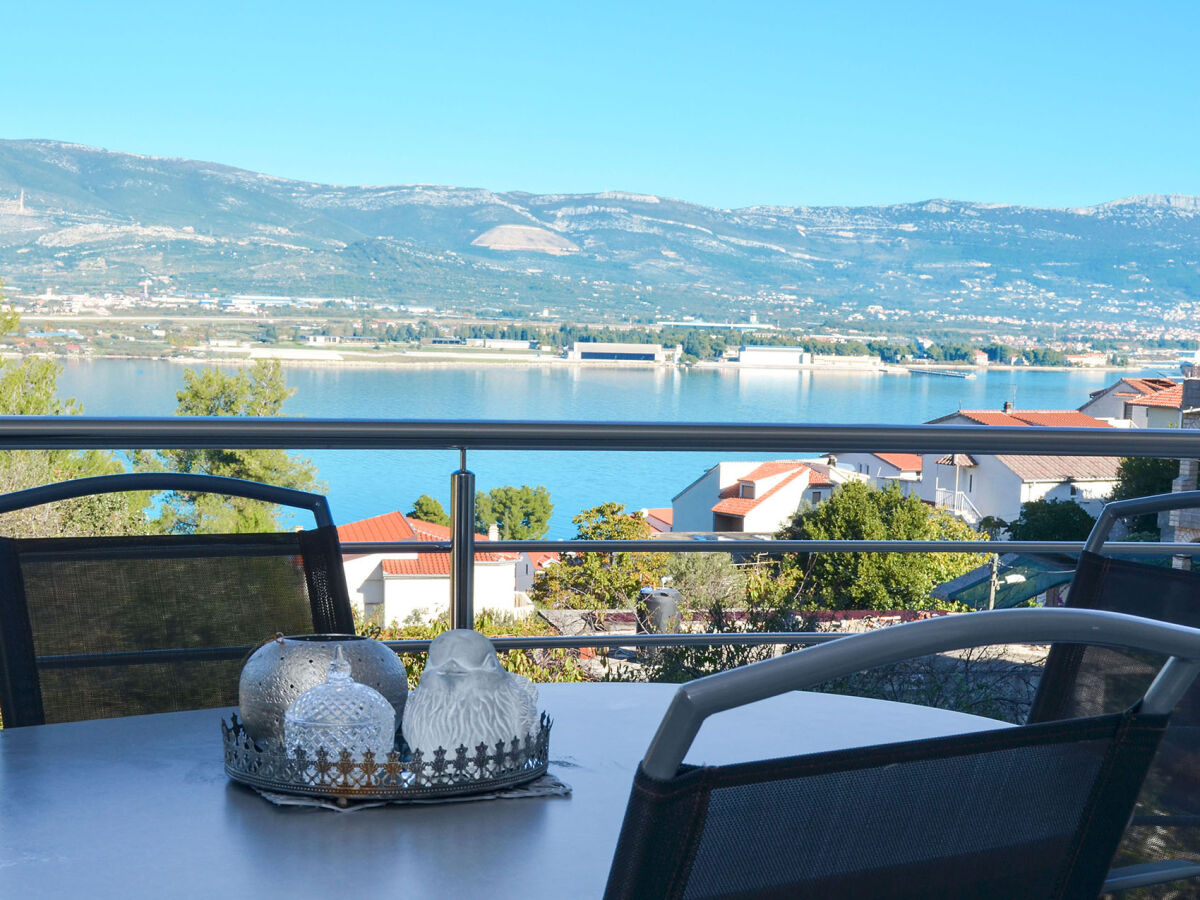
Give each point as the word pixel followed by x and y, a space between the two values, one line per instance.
pixel 340 714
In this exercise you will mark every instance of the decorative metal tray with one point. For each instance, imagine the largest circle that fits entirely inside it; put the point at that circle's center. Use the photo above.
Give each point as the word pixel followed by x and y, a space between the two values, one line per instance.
pixel 399 778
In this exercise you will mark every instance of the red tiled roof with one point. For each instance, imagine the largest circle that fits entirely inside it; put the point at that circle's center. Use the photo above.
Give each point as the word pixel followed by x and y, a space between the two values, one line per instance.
pixel 817 478
pixel 735 506
pixel 1067 418
pixel 772 468
pixel 961 460
pixel 389 527
pixel 1171 398
pixel 905 462
pixel 1149 385
pixel 434 563
pixel 981 417
pixel 659 519
pixel 394 526
pixel 739 506
pixel 1059 418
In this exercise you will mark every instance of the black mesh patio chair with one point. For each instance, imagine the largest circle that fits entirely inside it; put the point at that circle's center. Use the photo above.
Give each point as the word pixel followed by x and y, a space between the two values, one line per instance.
pixel 1085 681
pixel 1029 811
pixel 93 627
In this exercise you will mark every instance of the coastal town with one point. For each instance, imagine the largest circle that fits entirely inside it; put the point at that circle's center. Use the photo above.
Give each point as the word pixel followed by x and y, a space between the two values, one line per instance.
pixel 350 330
pixel 735 499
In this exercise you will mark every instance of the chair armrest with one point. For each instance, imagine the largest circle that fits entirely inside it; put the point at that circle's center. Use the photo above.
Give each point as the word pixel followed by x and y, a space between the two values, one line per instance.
pixel 697 700
pixel 1128 877
pixel 1137 506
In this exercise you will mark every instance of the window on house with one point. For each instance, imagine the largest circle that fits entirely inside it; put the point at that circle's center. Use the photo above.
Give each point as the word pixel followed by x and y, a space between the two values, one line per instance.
pixel 1074 491
pixel 746 490
pixel 970 483
pixel 816 495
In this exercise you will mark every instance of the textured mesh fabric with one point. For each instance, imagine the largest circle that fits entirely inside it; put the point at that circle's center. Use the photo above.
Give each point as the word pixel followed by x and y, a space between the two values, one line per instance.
pixel 1084 681
pixel 1032 812
pixel 133 595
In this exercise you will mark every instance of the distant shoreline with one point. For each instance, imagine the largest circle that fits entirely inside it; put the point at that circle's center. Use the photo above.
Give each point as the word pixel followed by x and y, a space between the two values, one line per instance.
pixel 437 359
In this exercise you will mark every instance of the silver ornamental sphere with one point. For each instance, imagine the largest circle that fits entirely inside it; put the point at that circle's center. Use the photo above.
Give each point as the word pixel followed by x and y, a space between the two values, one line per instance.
pixel 282 669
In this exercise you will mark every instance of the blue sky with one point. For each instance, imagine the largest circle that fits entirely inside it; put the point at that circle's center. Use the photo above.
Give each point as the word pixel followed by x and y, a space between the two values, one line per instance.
pixel 727 104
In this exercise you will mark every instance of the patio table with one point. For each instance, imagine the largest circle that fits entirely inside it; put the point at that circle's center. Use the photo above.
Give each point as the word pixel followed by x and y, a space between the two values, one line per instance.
pixel 141 806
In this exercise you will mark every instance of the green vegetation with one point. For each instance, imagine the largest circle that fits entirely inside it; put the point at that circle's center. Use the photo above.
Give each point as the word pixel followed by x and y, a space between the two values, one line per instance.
pixel 1051 520
pixel 875 580
pixel 536 665
pixel 602 580
pixel 766 603
pixel 29 388
pixel 706 580
pixel 518 513
pixel 428 509
pixel 257 391
pixel 1142 477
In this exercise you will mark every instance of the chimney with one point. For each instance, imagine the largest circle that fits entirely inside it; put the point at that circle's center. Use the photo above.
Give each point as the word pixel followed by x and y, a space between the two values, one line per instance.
pixel 1189 406
pixel 493 532
pixel 1008 407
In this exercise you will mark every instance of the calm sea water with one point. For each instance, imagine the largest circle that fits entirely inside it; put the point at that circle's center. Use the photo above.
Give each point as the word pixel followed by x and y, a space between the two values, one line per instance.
pixel 367 483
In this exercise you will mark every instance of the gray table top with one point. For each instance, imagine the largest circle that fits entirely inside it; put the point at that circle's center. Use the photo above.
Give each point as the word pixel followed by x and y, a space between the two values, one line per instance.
pixel 141 806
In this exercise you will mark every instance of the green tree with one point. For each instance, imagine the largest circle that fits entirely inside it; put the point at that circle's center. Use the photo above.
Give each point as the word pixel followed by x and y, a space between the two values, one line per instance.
pixel 602 580
pixel 766 602
pixel 259 391
pixel 519 514
pixel 857 511
pixel 1143 477
pixel 1051 520
pixel 30 388
pixel 705 580
pixel 428 509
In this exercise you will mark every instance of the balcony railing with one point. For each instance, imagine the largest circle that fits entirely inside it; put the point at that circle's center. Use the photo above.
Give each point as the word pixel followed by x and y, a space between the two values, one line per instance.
pixel 87 432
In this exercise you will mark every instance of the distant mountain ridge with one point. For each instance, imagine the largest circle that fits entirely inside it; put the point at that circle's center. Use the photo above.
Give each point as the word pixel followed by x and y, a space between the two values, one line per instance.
pixel 98 219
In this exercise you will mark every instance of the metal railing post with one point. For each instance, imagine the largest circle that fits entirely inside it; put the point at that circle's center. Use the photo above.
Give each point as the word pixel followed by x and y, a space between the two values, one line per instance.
pixel 462 545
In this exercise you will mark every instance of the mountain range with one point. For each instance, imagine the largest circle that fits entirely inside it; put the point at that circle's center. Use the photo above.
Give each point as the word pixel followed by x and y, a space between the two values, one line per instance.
pixel 80 218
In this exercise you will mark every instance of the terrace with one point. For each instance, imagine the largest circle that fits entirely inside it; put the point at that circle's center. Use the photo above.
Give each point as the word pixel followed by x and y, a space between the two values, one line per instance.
pixel 601 730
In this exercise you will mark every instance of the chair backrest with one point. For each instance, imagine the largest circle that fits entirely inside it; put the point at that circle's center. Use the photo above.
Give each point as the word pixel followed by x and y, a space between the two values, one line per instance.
pixel 1088 681
pixel 1030 811
pixel 109 626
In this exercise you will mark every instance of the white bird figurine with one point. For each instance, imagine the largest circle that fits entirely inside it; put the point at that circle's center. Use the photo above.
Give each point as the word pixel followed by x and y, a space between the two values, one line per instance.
pixel 466 698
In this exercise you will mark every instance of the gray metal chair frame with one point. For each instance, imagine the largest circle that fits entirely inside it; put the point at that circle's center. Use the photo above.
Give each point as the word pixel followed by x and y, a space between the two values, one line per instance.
pixel 168 481
pixel 19 686
pixel 1164 871
pixel 696 701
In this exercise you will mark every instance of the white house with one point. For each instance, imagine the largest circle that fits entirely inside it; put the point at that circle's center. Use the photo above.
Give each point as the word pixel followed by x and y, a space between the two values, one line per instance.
pixel 531 564
pixel 1160 409
pixel 757 497
pixel 973 486
pixel 392 587
pixel 1121 400
pixel 882 469
pixel 659 519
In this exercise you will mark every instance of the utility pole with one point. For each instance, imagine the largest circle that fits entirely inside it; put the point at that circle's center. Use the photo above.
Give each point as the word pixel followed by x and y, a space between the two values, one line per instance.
pixel 994 581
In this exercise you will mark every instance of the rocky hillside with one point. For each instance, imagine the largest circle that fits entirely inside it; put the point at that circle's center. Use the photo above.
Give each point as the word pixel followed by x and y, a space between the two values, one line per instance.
pixel 95 219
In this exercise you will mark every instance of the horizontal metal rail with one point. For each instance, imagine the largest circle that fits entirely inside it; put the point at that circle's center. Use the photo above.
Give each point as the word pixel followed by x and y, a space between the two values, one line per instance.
pixel 202 432
pixel 544 642
pixel 1125 548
